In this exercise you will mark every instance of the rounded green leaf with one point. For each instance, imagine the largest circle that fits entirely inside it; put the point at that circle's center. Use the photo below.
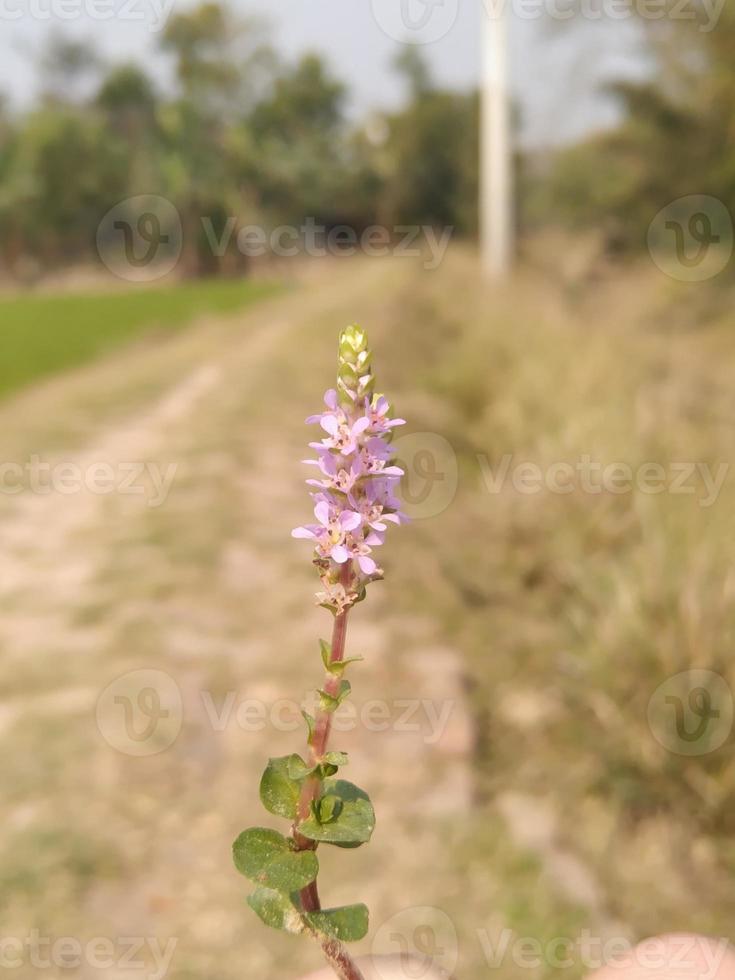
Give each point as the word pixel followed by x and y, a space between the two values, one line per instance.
pixel 349 923
pixel 268 858
pixel 351 824
pixel 276 910
pixel 279 791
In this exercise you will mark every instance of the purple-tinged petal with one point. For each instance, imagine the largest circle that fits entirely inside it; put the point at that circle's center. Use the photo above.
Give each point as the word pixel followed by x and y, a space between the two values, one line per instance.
pixel 331 399
pixel 321 512
pixel 302 532
pixel 349 520
pixel 340 554
pixel 366 563
pixel 330 424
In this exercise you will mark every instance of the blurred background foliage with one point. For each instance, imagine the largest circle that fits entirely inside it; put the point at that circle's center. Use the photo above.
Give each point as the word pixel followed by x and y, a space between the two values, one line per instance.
pixel 243 131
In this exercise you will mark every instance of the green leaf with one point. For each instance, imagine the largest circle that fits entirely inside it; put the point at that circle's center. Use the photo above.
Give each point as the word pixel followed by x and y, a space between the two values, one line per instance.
pixel 330 764
pixel 326 649
pixel 349 923
pixel 297 769
pixel 352 826
pixel 310 724
pixel 337 668
pixel 330 702
pixel 328 808
pixel 268 858
pixel 279 790
pixel 276 910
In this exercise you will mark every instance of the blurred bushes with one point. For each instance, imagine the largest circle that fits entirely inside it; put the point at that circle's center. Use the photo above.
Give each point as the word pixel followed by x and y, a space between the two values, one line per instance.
pixel 674 140
pixel 240 134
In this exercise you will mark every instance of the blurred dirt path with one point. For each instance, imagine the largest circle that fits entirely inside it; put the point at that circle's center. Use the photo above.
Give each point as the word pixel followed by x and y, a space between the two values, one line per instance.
pixel 208 591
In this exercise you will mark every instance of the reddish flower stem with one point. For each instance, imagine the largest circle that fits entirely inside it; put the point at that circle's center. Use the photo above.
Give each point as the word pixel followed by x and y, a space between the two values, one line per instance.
pixel 336 954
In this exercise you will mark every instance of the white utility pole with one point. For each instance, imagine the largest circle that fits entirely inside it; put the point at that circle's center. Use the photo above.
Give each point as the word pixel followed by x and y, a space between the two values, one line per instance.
pixel 496 164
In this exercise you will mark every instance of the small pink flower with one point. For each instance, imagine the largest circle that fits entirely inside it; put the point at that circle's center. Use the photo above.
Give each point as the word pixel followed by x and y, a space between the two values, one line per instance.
pixel 377 415
pixel 331 531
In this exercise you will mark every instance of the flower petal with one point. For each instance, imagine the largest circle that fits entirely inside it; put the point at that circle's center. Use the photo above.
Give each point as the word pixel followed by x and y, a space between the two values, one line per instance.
pixel 366 563
pixel 330 424
pixel 349 520
pixel 340 554
pixel 321 512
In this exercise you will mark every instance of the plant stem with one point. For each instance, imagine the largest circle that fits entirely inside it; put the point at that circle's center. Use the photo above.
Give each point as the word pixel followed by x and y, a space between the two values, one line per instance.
pixel 336 954
pixel 340 960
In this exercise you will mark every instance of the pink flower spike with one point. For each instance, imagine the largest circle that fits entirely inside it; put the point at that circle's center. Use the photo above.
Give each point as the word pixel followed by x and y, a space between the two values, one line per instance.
pixel 353 495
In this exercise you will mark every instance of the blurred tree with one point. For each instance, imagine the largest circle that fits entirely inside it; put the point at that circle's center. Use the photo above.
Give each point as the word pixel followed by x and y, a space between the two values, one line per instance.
pixel 300 162
pixel 128 102
pixel 675 138
pixel 220 62
pixel 127 90
pixel 431 154
pixel 67 68
pixel 64 171
pixel 415 71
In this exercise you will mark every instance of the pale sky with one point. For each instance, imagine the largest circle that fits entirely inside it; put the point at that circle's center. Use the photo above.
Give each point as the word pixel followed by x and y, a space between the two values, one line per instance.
pixel 556 65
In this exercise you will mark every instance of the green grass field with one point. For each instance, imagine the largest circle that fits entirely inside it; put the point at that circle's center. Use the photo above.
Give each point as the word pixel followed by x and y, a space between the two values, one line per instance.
pixel 44 334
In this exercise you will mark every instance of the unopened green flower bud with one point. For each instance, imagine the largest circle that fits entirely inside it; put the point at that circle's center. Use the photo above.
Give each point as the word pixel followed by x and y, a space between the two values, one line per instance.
pixel 355 379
